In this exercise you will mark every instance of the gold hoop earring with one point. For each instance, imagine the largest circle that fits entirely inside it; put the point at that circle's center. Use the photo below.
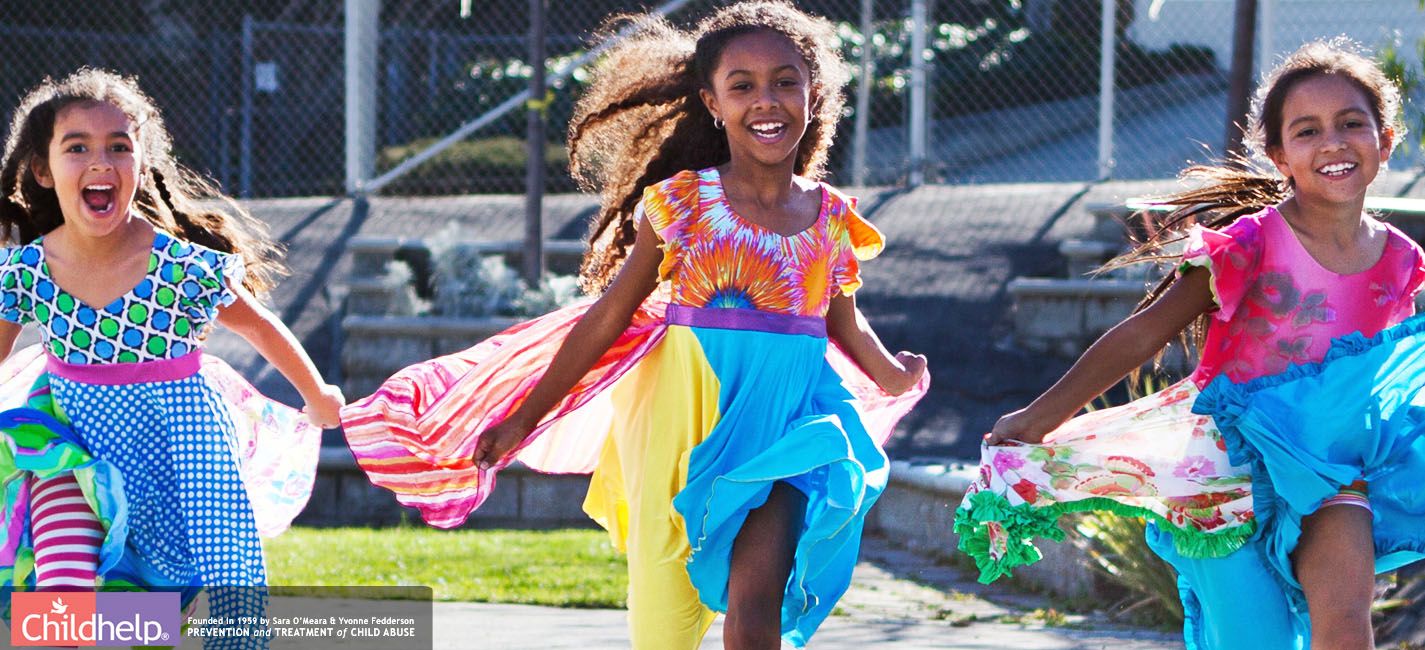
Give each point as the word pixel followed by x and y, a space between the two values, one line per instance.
pixel 718 123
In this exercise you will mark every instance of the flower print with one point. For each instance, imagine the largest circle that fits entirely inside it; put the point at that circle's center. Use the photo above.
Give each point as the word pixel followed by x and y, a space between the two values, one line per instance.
pixel 1384 293
pixel 1027 491
pixel 998 539
pixel 1295 350
pixel 1238 370
pixel 1202 501
pixel 1059 468
pixel 1238 258
pixel 1195 466
pixel 1314 308
pixel 1211 523
pixel 1275 291
pixel 1260 327
pixel 1128 465
pixel 1173 397
pixel 1006 461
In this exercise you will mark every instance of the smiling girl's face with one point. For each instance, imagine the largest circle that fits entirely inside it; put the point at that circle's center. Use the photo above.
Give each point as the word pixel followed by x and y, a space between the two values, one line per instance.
pixel 93 165
pixel 762 91
pixel 1332 146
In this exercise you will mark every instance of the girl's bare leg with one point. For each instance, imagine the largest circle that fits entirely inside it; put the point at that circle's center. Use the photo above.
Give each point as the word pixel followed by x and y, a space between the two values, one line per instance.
pixel 762 558
pixel 1335 564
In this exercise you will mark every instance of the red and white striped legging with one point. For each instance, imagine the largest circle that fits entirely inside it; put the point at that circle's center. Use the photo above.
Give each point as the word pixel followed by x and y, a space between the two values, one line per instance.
pixel 67 534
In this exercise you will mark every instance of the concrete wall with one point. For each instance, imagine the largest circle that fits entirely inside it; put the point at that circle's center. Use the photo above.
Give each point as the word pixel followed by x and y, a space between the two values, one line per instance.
pixel 918 510
pixel 522 498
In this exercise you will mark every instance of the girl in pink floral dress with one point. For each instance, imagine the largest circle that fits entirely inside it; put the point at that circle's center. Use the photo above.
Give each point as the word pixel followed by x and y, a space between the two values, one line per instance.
pixel 1273 270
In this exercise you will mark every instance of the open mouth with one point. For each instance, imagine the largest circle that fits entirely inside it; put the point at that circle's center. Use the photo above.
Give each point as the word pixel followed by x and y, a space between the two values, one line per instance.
pixel 1337 170
pixel 769 131
pixel 99 198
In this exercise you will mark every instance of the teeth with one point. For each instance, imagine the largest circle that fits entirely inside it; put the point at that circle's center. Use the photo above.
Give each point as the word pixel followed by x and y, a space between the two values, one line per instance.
pixel 1337 168
pixel 769 127
pixel 99 188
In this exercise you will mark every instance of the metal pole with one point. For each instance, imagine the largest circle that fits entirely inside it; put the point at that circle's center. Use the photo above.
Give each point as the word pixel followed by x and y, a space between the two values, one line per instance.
pixel 1266 49
pixel 863 95
pixel 245 137
pixel 1107 60
pixel 1239 86
pixel 535 115
pixel 362 39
pixel 217 101
pixel 505 107
pixel 917 91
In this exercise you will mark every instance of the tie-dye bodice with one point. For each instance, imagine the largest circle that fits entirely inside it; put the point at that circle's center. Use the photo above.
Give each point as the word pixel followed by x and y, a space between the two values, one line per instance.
pixel 714 258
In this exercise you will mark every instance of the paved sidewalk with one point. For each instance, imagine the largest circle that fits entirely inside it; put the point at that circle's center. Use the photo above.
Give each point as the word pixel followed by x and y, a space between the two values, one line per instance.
pixel 898 601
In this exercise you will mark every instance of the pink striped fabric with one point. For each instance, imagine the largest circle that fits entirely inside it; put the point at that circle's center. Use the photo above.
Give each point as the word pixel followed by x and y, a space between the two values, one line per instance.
pixel 415 435
pixel 67 534
pixel 880 411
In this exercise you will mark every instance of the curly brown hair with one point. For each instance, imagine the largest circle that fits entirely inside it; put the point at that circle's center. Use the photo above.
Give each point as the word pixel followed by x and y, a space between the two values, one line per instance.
pixel 170 196
pixel 1225 193
pixel 642 119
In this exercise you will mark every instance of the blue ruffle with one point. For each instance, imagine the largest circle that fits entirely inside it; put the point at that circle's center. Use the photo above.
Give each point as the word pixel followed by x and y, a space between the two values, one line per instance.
pixel 1315 427
pixel 1223 398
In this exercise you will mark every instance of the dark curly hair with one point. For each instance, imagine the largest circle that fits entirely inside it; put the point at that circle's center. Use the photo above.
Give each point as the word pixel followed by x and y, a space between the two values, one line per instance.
pixel 169 195
pixel 1225 193
pixel 642 119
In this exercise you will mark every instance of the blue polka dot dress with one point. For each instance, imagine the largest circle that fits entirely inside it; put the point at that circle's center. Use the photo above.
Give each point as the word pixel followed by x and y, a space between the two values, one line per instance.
pixel 125 379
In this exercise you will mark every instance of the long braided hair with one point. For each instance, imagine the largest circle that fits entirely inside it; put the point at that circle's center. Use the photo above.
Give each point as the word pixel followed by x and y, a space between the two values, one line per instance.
pixel 642 120
pixel 171 196
pixel 1224 193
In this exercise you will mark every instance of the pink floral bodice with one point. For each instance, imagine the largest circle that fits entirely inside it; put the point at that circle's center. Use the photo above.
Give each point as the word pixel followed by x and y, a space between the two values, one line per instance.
pixel 1277 306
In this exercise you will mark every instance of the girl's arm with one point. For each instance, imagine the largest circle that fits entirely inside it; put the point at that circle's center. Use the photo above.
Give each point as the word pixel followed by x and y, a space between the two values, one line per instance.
pixel 847 326
pixel 588 340
pixel 8 333
pixel 276 343
pixel 1128 345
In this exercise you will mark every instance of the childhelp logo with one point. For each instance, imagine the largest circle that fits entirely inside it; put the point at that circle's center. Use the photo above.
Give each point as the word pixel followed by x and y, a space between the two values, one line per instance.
pixel 86 618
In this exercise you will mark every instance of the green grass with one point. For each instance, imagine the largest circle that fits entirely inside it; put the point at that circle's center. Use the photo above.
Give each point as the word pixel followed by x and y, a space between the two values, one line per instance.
pixel 564 568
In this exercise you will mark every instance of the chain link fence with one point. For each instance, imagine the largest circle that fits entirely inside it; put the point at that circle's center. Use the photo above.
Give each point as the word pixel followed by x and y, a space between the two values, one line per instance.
pixel 945 91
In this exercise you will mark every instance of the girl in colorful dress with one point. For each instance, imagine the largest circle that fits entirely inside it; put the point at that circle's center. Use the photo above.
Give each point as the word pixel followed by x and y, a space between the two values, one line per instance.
pixel 1277 268
pixel 734 449
pixel 137 462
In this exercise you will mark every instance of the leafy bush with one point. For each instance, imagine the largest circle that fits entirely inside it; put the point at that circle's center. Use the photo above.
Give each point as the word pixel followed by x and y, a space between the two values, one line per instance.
pixel 1404 68
pixel 490 166
pixel 1120 553
pixel 467 282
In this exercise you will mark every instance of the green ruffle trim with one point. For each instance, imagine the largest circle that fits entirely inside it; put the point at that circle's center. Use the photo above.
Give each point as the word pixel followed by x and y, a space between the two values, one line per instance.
pixel 990 521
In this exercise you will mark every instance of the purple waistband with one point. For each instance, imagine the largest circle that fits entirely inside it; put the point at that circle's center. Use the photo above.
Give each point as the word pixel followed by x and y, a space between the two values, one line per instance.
pixel 746 319
pixel 113 374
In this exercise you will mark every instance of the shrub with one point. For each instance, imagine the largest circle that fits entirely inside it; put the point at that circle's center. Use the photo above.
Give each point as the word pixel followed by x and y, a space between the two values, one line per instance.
pixel 490 166
pixel 466 282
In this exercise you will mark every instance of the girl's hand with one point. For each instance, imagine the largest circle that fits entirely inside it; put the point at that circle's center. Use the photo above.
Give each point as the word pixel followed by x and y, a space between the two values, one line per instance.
pixel 912 366
pixel 498 441
pixel 324 409
pixel 1020 426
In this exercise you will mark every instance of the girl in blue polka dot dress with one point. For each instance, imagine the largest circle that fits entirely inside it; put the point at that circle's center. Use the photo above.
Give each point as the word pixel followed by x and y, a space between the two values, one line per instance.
pixel 136 462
